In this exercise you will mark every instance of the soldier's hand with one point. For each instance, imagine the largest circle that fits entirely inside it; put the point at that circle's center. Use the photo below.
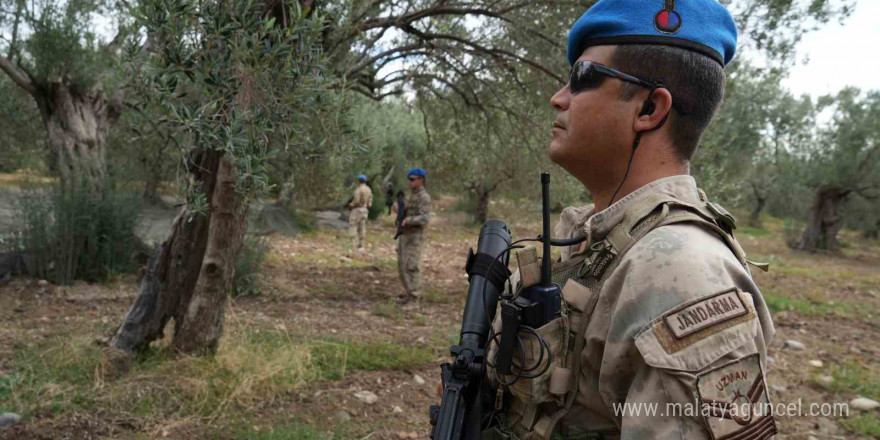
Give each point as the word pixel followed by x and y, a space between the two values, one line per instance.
pixel 403 223
pixel 394 207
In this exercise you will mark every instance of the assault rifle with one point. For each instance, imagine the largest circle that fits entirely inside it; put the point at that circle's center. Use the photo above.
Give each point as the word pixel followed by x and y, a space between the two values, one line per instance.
pixel 460 415
pixel 389 196
pixel 401 213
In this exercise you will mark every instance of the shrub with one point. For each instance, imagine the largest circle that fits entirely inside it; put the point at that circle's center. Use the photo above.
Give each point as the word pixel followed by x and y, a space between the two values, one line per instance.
pixel 68 235
pixel 247 266
pixel 791 233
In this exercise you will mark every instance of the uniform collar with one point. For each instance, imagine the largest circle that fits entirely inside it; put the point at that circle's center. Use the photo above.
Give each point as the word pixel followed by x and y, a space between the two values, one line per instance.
pixel 682 187
pixel 419 190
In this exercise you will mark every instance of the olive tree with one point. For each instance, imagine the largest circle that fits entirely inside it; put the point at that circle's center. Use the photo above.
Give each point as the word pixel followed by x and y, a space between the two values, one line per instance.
pixel 843 163
pixel 51 50
pixel 236 79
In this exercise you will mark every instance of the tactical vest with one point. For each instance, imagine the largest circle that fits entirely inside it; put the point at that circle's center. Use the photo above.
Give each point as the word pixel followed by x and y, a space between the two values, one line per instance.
pixel 537 405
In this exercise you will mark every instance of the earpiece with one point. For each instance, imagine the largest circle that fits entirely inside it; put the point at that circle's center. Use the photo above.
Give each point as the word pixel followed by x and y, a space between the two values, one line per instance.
pixel 648 107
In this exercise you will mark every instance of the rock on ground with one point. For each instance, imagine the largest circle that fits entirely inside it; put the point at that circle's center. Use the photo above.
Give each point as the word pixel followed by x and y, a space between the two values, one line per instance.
pixel 824 381
pixel 330 220
pixel 826 426
pixel 367 397
pixel 863 404
pixel 341 417
pixel 8 419
pixel 793 345
pixel 267 218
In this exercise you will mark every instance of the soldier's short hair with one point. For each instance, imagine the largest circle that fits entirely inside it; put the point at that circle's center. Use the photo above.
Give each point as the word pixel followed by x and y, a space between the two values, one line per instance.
pixel 695 81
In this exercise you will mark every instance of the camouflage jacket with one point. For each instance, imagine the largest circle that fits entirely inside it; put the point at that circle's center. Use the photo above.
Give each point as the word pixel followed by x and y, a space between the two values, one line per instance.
pixel 418 209
pixel 363 197
pixel 679 320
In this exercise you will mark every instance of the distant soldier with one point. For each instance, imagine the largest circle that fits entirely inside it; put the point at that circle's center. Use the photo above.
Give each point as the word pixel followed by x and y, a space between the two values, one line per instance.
pixel 409 244
pixel 361 202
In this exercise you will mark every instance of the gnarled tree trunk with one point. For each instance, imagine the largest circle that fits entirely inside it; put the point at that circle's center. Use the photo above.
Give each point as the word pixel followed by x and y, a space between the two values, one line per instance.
pixel 77 125
pixel 826 219
pixel 481 192
pixel 481 210
pixel 190 273
pixel 755 216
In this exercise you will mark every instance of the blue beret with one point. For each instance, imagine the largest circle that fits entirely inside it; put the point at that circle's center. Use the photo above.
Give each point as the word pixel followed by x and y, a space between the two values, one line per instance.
pixel 362 177
pixel 703 26
pixel 417 172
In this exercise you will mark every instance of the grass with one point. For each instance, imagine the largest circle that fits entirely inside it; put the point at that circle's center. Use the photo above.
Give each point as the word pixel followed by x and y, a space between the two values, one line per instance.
pixel 755 232
pixel 853 378
pixel 866 425
pixel 844 309
pixel 814 271
pixel 438 297
pixel 388 309
pixel 297 431
pixel 163 388
pixel 335 359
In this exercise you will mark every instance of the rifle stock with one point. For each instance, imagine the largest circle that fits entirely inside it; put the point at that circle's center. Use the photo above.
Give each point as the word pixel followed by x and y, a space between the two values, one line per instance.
pixel 460 413
pixel 401 213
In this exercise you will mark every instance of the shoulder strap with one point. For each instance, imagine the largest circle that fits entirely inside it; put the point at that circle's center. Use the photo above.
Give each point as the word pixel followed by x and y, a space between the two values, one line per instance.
pixel 650 214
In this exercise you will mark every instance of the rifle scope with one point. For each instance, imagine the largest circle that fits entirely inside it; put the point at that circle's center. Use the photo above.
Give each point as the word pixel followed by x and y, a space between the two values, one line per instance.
pixel 482 299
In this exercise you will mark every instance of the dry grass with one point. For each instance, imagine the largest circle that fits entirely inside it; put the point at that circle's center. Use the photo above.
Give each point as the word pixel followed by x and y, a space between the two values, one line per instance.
pixel 166 391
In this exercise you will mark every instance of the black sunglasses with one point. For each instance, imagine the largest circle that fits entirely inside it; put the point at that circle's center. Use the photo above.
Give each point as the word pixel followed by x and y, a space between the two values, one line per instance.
pixel 587 75
pixel 413 179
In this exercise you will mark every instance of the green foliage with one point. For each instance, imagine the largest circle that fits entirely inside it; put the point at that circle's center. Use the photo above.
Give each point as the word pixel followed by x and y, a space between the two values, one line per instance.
pixel 55 374
pixel 755 232
pixel 144 150
pixel 304 221
pixel 774 27
pixel 864 425
pixel 247 266
pixel 389 309
pixel 57 39
pixel 853 378
pixel 64 42
pixel 811 307
pixel 847 156
pixel 241 87
pixel 23 139
pixel 68 235
pixel 334 359
pixel 297 431
pixel 364 137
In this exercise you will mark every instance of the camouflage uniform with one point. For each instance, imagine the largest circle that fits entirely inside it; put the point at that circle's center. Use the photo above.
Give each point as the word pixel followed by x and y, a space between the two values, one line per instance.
pixel 361 202
pixel 409 244
pixel 678 320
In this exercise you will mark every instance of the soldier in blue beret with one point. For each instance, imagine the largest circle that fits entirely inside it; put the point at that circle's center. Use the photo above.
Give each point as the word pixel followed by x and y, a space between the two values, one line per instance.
pixel 360 204
pixel 666 332
pixel 410 243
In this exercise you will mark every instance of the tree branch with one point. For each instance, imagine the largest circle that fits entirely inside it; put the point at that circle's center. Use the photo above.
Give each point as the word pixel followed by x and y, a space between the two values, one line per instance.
pixel 17 76
pixel 406 19
pixel 19 6
pixel 492 52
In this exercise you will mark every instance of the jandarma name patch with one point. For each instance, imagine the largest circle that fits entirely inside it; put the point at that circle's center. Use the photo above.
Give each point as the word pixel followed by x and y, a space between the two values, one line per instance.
pixel 705 313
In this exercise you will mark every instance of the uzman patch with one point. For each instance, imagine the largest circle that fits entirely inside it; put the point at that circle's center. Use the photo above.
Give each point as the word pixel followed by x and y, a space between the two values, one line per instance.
pixel 734 400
